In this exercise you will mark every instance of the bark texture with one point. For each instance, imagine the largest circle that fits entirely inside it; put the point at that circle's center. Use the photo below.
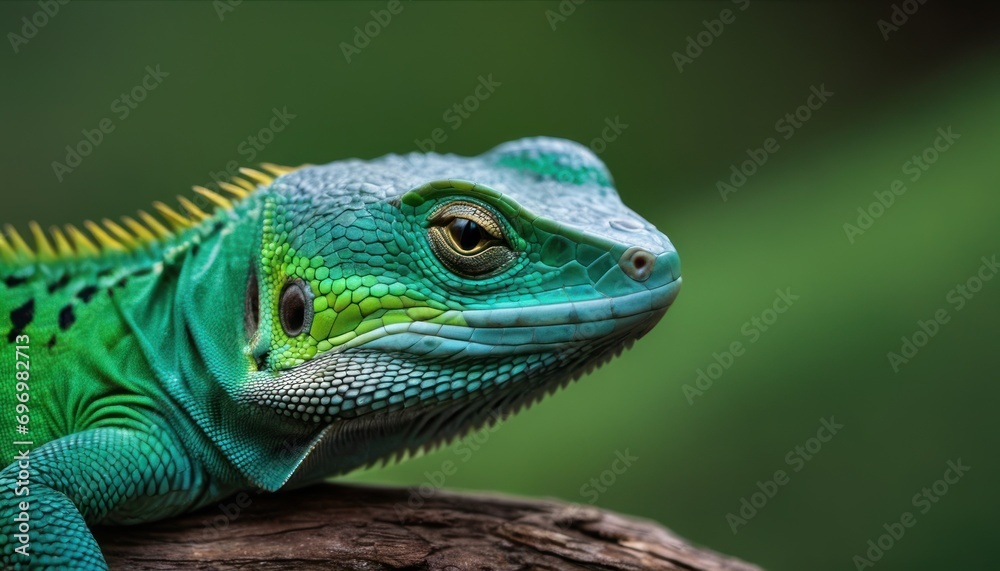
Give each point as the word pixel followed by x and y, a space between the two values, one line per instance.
pixel 371 528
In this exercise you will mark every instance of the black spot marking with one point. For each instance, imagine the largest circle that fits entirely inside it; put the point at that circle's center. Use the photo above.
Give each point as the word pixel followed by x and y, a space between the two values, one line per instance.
pixel 86 293
pixel 66 317
pixel 11 281
pixel 122 282
pixel 194 249
pixel 52 342
pixel 21 317
pixel 105 272
pixel 111 292
pixel 142 272
pixel 59 284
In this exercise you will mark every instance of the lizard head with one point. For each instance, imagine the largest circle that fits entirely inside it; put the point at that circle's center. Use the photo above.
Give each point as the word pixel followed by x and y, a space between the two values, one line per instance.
pixel 399 302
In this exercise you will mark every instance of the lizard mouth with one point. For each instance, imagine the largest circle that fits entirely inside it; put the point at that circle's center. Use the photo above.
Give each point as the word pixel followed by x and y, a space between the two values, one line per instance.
pixel 376 401
pixel 404 364
pixel 521 330
pixel 368 434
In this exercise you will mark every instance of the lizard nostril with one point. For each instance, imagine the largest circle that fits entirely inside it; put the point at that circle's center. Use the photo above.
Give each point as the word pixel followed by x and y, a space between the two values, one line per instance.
pixel 637 263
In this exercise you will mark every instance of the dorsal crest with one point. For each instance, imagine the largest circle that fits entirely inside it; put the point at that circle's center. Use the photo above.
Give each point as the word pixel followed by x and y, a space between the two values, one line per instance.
pixel 130 233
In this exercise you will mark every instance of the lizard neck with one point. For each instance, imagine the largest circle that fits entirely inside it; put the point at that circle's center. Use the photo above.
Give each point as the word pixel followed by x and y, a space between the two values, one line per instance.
pixel 188 320
pixel 99 328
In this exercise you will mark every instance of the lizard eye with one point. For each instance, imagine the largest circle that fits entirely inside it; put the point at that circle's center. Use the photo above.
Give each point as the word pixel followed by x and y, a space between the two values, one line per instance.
pixel 251 305
pixel 292 307
pixel 469 240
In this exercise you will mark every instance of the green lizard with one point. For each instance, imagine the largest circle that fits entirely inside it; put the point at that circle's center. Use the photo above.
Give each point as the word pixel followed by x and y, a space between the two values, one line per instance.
pixel 313 323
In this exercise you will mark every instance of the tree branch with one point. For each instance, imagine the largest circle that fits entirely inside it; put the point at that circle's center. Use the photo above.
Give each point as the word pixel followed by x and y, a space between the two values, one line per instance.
pixel 355 527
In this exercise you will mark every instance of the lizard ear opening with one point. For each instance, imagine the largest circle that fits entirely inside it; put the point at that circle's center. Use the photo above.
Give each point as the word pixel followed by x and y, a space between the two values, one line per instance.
pixel 292 307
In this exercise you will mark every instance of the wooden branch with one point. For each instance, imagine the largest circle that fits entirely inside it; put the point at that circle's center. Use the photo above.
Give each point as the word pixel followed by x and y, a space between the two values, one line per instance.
pixel 355 527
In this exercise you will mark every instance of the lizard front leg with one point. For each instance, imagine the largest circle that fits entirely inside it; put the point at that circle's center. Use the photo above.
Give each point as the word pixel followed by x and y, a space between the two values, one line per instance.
pixel 102 475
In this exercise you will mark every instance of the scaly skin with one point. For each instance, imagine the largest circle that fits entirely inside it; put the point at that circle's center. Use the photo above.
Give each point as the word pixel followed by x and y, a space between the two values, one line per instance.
pixel 337 315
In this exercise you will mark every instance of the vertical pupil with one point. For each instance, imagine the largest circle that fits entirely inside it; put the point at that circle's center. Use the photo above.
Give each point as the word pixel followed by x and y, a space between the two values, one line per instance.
pixel 466 233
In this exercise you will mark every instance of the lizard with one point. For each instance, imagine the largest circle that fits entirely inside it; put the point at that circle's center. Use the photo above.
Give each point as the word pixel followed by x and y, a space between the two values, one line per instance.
pixel 315 320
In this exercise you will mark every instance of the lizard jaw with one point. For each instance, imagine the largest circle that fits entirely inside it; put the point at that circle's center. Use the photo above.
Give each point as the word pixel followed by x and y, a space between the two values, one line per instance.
pixel 392 434
pixel 403 364
pixel 376 401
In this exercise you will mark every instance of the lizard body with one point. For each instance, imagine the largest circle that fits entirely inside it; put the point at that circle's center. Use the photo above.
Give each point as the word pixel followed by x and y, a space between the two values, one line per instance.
pixel 311 324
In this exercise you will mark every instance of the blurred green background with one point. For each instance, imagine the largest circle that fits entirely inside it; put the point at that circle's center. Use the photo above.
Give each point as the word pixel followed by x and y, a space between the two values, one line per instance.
pixel 784 228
